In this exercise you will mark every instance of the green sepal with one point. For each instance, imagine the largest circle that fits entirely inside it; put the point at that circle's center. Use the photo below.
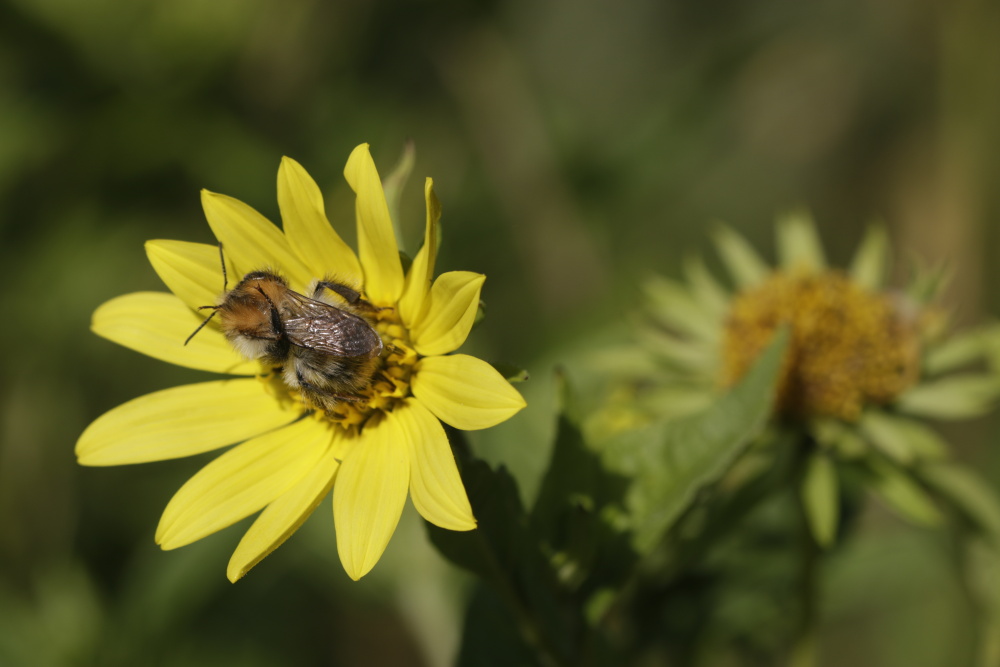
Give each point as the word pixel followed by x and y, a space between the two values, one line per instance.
pixel 820 495
pixel 671 460
pixel 870 263
pixel 705 288
pixel 902 493
pixel 901 439
pixel 960 350
pixel 953 397
pixel 839 437
pixel 394 183
pixel 799 246
pixel 510 372
pixel 681 354
pixel 743 263
pixel 928 282
pixel 672 304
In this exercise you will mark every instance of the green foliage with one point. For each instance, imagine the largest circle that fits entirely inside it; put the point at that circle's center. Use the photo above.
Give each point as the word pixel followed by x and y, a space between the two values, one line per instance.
pixel 560 568
pixel 901 492
pixel 670 461
pixel 955 397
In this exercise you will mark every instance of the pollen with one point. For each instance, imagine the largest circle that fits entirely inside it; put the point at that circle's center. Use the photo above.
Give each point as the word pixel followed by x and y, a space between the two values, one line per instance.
pixel 849 347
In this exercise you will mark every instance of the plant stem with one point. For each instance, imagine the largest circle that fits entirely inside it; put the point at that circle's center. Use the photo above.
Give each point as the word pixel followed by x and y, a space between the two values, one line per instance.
pixel 503 582
pixel 529 627
pixel 804 651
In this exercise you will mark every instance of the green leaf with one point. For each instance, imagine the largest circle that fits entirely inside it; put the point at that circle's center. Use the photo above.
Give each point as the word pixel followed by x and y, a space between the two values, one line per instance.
pixel 490 550
pixel 578 510
pixel 821 498
pixel 742 261
pixel 490 636
pixel 799 246
pixel 505 555
pixel 869 266
pixel 955 397
pixel 968 493
pixel 902 493
pixel 670 461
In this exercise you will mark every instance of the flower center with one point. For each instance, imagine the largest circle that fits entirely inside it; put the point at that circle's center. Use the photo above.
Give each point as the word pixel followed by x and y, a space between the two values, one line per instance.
pixel 390 383
pixel 848 346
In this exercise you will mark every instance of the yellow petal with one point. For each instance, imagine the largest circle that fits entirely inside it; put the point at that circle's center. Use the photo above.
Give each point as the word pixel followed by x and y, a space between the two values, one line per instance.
pixel 369 495
pixel 251 242
pixel 376 238
pixel 241 482
pixel 418 280
pixel 435 485
pixel 465 392
pixel 192 271
pixel 283 516
pixel 454 300
pixel 181 421
pixel 307 229
pixel 157 324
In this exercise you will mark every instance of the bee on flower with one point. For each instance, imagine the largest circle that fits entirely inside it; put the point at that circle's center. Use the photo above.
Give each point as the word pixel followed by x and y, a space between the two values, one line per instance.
pixel 342 365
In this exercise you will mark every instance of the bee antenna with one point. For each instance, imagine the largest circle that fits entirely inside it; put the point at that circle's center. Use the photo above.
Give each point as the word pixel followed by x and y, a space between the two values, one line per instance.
pixel 202 325
pixel 222 261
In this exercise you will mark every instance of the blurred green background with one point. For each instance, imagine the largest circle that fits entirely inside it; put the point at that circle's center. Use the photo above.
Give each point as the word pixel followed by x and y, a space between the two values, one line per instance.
pixel 576 145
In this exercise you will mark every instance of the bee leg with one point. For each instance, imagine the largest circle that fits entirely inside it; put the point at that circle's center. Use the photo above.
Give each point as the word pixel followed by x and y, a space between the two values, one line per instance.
pixel 349 294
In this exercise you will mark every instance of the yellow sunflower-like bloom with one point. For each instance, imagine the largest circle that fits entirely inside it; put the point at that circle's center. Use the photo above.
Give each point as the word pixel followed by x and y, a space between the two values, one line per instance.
pixel 370 452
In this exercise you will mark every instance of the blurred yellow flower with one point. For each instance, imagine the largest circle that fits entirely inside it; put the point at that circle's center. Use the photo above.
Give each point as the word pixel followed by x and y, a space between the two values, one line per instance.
pixel 290 454
pixel 864 368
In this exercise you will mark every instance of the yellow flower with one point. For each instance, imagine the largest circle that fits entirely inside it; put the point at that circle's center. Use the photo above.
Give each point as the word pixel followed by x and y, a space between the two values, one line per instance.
pixel 371 452
pixel 863 369
pixel 863 365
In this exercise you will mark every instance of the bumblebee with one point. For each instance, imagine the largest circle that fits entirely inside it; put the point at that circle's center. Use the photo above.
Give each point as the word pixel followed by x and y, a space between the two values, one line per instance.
pixel 327 352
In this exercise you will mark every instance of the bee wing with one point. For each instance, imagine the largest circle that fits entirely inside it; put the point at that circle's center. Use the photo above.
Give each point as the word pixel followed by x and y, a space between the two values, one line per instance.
pixel 328 329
